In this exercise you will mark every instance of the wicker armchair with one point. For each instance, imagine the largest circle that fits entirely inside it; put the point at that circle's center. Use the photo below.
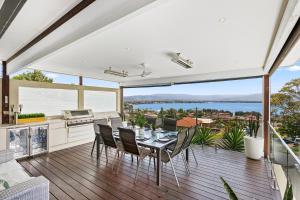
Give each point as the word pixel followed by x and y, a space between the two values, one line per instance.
pixel 32 189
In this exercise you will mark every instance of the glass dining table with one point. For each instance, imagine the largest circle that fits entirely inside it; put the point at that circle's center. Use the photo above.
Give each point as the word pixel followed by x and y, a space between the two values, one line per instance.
pixel 157 140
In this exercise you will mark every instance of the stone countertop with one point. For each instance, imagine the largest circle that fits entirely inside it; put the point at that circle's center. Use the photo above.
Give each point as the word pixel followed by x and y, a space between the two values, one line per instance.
pixel 5 126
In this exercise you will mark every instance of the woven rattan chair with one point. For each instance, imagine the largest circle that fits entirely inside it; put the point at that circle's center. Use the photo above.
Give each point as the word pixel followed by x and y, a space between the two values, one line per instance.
pixel 187 144
pixel 129 144
pixel 169 124
pixel 108 140
pixel 167 155
pixel 97 130
pixel 116 123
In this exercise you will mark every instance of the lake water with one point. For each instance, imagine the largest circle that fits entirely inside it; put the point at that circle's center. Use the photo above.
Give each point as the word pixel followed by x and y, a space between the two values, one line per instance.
pixel 232 107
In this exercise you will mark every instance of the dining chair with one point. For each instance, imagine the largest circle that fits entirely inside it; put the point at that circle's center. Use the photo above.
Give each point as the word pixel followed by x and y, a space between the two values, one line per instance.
pixel 169 124
pixel 116 122
pixel 129 144
pixel 187 143
pixel 97 130
pixel 167 155
pixel 108 140
pixel 150 121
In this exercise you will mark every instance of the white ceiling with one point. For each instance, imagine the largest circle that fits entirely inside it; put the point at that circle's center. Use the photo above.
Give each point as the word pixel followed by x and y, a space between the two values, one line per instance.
pixel 224 39
pixel 34 18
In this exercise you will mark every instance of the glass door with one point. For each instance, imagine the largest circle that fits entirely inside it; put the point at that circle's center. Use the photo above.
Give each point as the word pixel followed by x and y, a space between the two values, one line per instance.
pixel 18 141
pixel 38 139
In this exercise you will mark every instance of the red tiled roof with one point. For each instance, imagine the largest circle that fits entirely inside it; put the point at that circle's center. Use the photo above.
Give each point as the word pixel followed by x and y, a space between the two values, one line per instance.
pixel 187 122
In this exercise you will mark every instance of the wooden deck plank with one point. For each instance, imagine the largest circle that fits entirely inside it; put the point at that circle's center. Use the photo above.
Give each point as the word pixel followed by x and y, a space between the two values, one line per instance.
pixel 74 174
pixel 191 183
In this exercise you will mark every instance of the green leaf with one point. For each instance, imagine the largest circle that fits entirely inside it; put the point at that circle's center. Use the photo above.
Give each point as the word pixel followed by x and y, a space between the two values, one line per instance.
pixel 232 195
pixel 203 136
pixel 288 195
pixel 4 183
pixel 233 139
pixel 35 75
pixel 31 115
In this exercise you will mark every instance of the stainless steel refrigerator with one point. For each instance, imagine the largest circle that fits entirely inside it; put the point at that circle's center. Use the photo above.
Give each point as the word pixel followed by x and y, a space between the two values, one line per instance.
pixel 28 140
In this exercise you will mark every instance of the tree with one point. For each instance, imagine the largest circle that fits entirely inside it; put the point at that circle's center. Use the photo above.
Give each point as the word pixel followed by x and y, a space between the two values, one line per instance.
pixel 36 75
pixel 285 108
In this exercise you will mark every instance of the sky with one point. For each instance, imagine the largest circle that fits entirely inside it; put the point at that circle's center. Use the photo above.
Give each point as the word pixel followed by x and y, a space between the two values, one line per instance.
pixel 246 86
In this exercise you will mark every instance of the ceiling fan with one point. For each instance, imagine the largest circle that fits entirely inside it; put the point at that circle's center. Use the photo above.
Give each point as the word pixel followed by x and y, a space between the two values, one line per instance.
pixel 144 72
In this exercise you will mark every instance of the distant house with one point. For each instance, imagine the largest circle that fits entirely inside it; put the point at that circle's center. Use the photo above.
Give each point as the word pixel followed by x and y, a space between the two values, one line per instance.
pixel 190 122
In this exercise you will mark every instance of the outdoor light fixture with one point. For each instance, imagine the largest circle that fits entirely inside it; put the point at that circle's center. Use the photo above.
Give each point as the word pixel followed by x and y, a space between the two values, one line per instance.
pixel 116 73
pixel 186 63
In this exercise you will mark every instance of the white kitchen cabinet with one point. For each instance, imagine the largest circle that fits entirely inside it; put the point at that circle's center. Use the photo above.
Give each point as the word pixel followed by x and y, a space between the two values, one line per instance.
pixel 58 136
pixel 3 139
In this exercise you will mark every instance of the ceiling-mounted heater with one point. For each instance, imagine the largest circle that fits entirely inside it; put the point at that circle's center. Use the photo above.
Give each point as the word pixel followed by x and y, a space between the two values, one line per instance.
pixel 116 73
pixel 186 63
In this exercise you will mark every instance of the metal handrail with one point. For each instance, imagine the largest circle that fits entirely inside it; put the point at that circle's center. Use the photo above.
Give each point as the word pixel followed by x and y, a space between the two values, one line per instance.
pixel 284 144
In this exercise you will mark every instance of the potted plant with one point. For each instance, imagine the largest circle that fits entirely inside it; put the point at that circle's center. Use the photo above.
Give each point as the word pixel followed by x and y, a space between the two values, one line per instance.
pixel 124 122
pixel 141 121
pixel 153 127
pixel 30 118
pixel 253 144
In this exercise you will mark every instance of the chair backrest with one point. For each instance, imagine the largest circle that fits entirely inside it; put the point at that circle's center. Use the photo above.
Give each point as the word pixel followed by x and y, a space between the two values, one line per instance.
pixel 97 122
pixel 169 124
pixel 181 138
pixel 116 123
pixel 127 137
pixel 107 135
pixel 191 134
pixel 150 121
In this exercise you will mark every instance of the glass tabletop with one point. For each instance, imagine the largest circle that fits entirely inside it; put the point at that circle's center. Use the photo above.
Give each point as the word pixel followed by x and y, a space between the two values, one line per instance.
pixel 154 139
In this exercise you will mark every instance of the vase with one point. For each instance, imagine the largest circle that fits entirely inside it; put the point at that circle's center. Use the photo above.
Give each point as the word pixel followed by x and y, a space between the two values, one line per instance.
pixel 142 133
pixel 254 147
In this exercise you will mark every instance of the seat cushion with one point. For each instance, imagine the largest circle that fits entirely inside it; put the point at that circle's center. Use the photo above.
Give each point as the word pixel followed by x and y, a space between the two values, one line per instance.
pixel 13 173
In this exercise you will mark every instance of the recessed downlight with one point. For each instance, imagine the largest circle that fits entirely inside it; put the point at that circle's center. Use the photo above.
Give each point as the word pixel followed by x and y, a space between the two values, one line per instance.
pixel 222 19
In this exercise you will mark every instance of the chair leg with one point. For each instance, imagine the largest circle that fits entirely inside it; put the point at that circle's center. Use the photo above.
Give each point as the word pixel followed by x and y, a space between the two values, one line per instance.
pixel 106 154
pixel 173 169
pixel 137 169
pixel 131 158
pixel 93 146
pixel 194 155
pixel 149 165
pixel 185 163
pixel 119 162
pixel 116 154
pixel 101 151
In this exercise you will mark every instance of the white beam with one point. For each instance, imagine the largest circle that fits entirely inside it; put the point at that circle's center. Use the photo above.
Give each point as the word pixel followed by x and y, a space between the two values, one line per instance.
pixel 288 21
pixel 218 76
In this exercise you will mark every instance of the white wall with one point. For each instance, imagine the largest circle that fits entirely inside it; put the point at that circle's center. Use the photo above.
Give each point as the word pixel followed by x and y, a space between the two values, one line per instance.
pixel 21 87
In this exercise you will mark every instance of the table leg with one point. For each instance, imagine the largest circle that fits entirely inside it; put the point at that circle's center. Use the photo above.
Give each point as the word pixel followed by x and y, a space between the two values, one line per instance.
pixel 98 145
pixel 187 154
pixel 158 167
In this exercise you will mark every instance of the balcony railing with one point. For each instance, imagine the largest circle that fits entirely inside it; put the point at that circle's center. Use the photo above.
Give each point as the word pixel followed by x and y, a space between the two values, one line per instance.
pixel 285 163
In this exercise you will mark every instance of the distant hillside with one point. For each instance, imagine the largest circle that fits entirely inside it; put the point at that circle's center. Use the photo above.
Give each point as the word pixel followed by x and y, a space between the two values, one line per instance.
pixel 192 98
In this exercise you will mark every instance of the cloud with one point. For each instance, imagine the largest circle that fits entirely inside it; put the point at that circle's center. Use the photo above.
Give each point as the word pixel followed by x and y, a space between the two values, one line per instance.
pixel 51 75
pixel 294 68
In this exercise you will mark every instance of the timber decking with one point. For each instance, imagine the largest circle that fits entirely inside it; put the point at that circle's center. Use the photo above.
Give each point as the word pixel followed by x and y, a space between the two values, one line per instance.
pixel 74 174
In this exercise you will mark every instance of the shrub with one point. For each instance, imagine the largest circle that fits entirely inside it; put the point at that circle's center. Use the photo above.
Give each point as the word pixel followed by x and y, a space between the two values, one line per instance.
pixel 31 115
pixel 203 136
pixel 233 139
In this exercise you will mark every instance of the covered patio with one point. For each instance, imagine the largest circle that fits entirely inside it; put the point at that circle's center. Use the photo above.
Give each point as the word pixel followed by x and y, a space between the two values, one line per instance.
pixel 145 44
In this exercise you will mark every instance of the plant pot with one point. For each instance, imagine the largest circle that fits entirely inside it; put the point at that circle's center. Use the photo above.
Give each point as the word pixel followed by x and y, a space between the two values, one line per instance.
pixel 142 132
pixel 124 124
pixel 31 120
pixel 254 147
